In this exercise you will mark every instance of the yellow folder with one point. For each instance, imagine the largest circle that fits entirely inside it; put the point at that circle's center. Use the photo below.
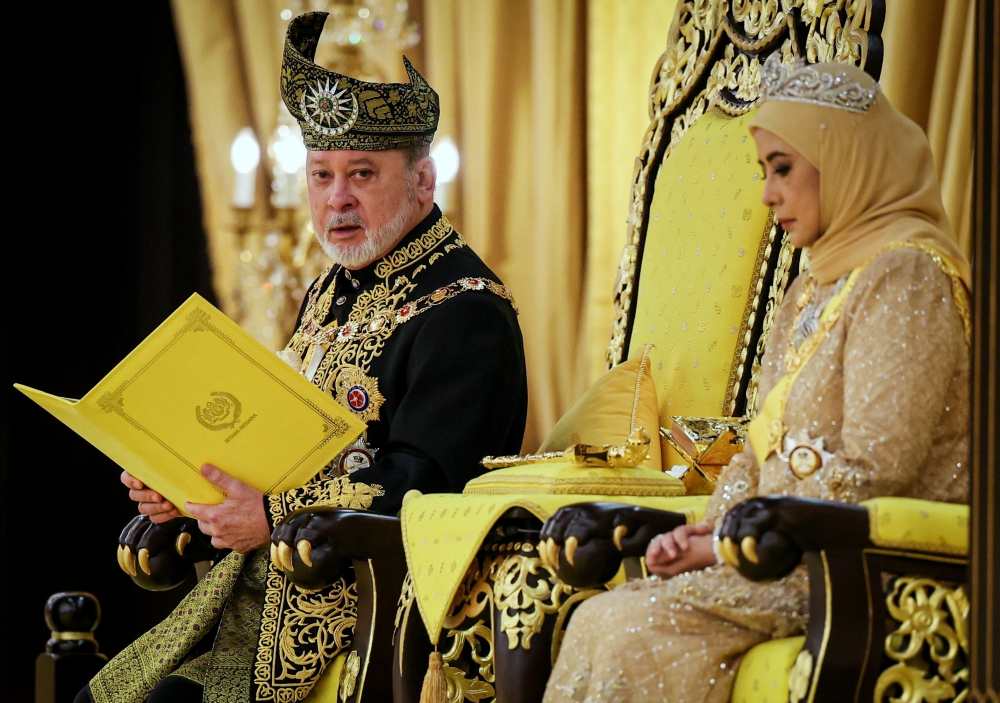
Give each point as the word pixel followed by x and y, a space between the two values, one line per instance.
pixel 201 390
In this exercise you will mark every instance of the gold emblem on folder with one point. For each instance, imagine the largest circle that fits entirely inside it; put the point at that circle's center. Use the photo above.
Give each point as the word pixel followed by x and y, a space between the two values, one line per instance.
pixel 220 413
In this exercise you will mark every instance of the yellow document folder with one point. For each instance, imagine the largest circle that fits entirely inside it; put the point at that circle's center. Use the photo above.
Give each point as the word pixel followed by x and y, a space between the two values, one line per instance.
pixel 201 390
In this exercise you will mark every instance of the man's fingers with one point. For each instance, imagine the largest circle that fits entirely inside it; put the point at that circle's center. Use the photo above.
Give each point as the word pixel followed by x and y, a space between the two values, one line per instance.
pixel 206 529
pixel 199 511
pixel 145 496
pixel 130 480
pixel 156 508
pixel 160 518
pixel 217 477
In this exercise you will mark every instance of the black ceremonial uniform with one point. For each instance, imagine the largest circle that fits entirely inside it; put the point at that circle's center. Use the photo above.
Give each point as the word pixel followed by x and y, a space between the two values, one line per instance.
pixel 424 346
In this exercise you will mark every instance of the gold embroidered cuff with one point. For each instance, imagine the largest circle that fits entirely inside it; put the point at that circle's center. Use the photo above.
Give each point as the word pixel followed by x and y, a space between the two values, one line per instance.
pixel 338 492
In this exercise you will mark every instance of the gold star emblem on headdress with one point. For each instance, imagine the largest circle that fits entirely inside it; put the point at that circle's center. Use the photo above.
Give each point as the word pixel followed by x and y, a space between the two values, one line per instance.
pixel 327 110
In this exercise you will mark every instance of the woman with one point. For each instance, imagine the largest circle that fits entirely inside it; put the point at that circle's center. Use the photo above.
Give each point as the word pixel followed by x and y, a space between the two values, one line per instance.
pixel 865 380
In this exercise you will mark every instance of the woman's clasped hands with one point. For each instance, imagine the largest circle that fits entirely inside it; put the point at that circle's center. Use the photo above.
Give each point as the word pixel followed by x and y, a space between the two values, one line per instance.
pixel 685 548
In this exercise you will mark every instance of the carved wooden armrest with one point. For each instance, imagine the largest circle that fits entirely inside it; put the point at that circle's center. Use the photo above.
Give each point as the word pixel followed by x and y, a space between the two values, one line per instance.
pixel 888 610
pixel 160 556
pixel 373 544
pixel 584 544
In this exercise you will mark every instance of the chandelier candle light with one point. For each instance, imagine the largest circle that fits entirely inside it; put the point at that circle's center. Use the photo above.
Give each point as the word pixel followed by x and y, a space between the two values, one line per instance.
pixel 245 156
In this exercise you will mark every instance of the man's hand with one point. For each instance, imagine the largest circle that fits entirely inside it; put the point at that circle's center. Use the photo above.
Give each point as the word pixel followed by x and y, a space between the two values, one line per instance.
pixel 238 522
pixel 685 548
pixel 150 502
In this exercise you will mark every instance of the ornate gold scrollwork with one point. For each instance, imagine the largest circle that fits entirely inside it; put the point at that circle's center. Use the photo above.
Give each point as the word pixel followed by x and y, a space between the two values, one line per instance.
pixel 526 591
pixel 470 635
pixel 479 640
pixel 827 30
pixel 930 646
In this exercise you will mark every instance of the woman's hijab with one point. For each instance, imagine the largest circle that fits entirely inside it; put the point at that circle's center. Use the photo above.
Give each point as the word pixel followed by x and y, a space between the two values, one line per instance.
pixel 878 185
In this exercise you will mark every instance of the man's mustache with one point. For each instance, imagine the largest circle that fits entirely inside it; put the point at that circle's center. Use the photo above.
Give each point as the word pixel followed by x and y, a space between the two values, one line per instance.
pixel 352 219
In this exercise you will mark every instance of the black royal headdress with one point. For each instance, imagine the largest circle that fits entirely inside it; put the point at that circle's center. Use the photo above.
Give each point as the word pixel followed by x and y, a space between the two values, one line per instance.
pixel 340 112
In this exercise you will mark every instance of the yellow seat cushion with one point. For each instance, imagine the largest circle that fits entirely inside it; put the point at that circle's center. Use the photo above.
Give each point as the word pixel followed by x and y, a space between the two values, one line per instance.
pixel 621 400
pixel 763 673
pixel 326 689
pixel 923 525
pixel 565 478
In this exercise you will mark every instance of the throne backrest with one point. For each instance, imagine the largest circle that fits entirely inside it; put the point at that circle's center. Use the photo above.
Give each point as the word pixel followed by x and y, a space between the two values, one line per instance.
pixel 705 266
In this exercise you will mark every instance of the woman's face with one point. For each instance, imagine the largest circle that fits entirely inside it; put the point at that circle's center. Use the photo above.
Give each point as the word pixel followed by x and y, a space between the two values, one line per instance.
pixel 791 188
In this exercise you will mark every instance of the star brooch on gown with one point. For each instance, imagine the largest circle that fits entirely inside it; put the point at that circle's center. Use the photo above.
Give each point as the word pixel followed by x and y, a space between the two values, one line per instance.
pixel 803 454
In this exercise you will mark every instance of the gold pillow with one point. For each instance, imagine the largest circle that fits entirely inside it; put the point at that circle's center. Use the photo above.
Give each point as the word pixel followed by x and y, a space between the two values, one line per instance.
pixel 621 400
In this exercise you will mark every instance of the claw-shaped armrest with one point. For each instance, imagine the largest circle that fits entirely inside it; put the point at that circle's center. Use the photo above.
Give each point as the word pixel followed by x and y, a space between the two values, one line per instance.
pixel 585 543
pixel 314 546
pixel 159 556
pixel 765 538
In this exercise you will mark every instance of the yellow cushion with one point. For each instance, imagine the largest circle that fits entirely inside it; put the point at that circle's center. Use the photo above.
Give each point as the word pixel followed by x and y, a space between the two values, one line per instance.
pixel 621 400
pixel 924 525
pixel 565 478
pixel 763 673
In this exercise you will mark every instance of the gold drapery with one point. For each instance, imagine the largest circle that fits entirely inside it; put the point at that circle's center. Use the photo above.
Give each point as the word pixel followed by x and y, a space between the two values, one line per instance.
pixel 624 40
pixel 927 74
pixel 231 51
pixel 548 103
pixel 511 80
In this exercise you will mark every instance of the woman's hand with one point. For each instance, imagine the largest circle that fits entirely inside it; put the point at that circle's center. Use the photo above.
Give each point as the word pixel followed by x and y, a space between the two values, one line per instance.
pixel 686 548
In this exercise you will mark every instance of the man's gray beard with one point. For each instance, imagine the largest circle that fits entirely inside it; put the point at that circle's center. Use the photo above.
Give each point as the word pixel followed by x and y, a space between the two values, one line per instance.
pixel 378 241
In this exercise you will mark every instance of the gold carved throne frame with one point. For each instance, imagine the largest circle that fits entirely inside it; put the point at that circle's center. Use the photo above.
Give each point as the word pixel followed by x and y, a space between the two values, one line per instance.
pixel 705 266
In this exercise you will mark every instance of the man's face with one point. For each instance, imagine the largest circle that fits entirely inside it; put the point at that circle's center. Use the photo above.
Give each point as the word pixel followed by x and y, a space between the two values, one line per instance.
pixel 361 202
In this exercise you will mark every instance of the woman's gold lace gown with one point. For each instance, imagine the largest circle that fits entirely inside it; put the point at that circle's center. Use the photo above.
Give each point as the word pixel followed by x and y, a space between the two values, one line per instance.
pixel 888 391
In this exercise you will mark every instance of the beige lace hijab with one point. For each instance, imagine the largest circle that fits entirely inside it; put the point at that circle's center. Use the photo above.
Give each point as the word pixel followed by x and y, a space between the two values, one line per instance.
pixel 878 185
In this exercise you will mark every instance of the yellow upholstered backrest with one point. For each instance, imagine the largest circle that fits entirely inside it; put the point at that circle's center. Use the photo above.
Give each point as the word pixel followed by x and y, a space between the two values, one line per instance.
pixel 704 248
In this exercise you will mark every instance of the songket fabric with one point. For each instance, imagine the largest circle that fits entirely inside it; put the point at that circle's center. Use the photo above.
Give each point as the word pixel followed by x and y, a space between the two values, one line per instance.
pixel 883 400
pixel 424 346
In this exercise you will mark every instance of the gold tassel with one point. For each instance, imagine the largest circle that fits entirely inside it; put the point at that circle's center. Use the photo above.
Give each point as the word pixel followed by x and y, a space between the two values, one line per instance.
pixel 435 688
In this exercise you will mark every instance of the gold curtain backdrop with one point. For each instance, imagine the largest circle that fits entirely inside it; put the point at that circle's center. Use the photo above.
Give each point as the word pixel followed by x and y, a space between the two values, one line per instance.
pixel 547 101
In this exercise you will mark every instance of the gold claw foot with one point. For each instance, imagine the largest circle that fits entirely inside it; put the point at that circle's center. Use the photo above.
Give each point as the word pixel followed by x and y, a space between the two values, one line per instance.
pixel 729 552
pixel 144 562
pixel 617 535
pixel 285 557
pixel 183 539
pixel 305 551
pixel 571 544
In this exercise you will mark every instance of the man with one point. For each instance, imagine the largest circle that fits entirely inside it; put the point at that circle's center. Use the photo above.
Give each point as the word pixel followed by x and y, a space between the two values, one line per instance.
pixel 408 329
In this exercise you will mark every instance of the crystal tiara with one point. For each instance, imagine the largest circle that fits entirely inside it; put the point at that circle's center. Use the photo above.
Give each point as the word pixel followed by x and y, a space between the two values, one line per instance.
pixel 816 84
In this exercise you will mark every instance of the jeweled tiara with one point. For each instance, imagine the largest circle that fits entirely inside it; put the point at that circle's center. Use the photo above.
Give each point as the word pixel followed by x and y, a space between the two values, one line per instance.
pixel 817 84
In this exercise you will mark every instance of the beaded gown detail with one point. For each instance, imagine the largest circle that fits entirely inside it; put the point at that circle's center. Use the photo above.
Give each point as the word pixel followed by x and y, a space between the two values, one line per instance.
pixel 887 390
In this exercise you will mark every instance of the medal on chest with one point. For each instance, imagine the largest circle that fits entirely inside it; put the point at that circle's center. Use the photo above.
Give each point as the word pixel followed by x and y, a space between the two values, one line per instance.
pixel 355 457
pixel 358 392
